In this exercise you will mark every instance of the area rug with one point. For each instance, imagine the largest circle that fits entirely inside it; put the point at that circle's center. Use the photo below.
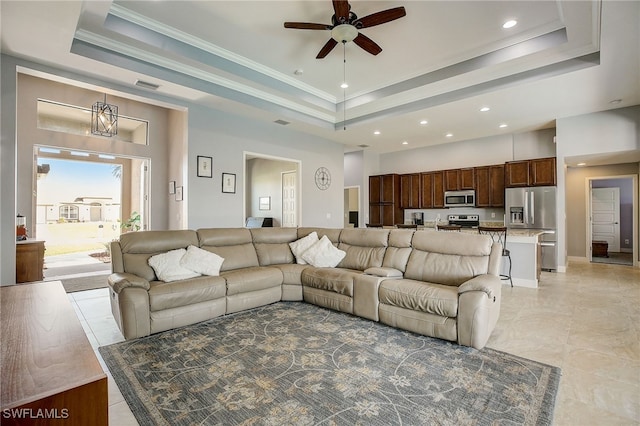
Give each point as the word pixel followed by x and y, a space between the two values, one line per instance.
pixel 89 282
pixel 294 363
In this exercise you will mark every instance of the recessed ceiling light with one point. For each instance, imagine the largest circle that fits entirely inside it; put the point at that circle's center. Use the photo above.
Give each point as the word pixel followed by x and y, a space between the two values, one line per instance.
pixel 405 143
pixel 299 71
pixel 377 132
pixel 449 135
pixel 510 23
pixel 344 85
pixel 581 164
pixel 502 126
pixel 615 101
pixel 484 109
pixel 423 122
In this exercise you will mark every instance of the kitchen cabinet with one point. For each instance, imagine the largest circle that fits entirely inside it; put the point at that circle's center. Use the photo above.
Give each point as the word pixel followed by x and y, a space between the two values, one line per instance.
pixel 489 186
pixel 410 191
pixel 384 200
pixel 467 178
pixel 536 172
pixel 29 261
pixel 432 189
pixel 451 180
pixel 459 179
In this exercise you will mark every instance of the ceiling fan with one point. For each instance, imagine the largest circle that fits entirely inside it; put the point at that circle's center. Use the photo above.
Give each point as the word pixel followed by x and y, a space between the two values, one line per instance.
pixel 345 26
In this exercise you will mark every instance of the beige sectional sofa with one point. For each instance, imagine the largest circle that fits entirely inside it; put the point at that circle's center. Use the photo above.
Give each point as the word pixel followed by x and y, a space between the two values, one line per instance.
pixel 438 284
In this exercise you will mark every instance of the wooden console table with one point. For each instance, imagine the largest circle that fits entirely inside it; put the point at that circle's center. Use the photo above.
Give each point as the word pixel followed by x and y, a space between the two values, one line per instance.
pixel 50 373
pixel 29 261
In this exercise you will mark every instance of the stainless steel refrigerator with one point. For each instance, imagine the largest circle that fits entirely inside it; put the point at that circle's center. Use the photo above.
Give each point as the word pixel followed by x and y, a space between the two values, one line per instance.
pixel 535 208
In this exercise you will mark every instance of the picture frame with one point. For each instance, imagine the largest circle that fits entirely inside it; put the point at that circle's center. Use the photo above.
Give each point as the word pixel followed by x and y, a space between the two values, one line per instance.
pixel 264 203
pixel 205 166
pixel 172 187
pixel 229 183
pixel 179 193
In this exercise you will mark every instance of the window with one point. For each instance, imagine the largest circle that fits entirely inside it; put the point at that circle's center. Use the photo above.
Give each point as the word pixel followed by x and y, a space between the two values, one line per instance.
pixel 69 213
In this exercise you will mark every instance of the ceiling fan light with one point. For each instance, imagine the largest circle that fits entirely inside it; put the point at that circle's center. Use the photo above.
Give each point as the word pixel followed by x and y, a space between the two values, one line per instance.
pixel 344 33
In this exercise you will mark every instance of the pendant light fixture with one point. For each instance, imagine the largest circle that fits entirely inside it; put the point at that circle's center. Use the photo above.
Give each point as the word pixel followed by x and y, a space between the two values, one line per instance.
pixel 104 118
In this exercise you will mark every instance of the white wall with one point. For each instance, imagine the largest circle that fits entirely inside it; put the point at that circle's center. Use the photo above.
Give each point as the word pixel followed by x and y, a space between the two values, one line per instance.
pixel 614 131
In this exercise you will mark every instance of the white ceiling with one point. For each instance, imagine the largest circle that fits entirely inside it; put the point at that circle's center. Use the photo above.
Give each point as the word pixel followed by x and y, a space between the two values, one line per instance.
pixel 442 62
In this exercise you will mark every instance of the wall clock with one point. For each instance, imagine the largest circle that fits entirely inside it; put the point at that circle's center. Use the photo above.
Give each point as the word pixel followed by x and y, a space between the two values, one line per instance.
pixel 323 178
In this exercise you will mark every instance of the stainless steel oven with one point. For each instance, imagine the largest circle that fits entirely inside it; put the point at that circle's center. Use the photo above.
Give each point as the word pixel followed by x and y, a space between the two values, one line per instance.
pixel 460 198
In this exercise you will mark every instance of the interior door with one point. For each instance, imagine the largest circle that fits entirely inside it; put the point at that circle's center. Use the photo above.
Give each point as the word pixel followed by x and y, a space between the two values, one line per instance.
pixel 605 216
pixel 289 216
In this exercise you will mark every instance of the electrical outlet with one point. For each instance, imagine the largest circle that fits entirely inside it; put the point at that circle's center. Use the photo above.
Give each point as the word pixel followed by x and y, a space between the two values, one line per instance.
pixel 493 215
pixel 626 241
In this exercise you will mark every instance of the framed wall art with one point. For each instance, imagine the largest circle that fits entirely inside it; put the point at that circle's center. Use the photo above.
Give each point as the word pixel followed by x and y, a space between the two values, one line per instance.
pixel 205 166
pixel 229 183
pixel 264 203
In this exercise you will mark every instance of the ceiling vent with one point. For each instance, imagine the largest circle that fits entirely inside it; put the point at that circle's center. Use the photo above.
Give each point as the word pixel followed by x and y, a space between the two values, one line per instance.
pixel 147 85
pixel 363 145
pixel 282 122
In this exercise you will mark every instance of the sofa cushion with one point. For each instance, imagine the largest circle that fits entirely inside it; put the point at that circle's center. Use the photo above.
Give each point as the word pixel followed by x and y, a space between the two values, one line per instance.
pixel 251 279
pixel 163 295
pixel 138 247
pixel 201 261
pixel 397 254
pixel 449 258
pixel 420 296
pixel 323 254
pixel 364 248
pixel 303 244
pixel 168 268
pixel 332 233
pixel 335 280
pixel 272 245
pixel 235 245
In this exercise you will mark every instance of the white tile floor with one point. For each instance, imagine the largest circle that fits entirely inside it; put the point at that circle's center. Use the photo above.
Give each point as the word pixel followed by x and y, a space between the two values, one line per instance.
pixel 586 321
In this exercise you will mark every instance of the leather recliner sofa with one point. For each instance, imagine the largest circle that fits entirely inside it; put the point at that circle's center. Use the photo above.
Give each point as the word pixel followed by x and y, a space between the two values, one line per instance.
pixel 438 284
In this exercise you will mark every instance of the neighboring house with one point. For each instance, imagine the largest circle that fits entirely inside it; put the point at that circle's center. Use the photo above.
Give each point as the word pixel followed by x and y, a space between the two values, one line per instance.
pixel 82 209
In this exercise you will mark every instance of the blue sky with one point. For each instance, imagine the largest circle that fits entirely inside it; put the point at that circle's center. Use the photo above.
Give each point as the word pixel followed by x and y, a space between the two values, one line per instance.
pixel 69 179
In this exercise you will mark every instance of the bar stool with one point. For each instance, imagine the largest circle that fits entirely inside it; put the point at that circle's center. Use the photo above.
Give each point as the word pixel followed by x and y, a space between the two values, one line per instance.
pixel 499 235
pixel 449 228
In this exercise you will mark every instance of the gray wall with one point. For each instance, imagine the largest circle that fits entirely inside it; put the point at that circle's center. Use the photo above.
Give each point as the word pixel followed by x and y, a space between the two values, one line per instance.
pixel 626 206
pixel 265 180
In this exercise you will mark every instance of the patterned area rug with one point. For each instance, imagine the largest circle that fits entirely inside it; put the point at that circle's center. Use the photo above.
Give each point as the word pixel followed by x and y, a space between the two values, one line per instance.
pixel 299 364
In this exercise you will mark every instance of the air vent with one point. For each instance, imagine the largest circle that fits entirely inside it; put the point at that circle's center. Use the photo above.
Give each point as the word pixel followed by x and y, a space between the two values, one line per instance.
pixel 282 122
pixel 147 85
pixel 363 145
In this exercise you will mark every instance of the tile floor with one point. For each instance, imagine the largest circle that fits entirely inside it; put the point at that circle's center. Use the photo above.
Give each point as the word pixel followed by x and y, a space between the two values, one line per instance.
pixel 585 321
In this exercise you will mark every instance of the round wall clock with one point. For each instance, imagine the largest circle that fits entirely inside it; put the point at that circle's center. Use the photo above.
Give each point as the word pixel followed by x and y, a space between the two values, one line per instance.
pixel 323 178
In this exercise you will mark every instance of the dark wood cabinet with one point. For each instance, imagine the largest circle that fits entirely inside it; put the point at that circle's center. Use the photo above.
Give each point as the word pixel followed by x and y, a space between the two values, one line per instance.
pixel 489 181
pixel 467 178
pixel 542 171
pixel 426 196
pixel 438 189
pixel 384 200
pixel 410 191
pixel 451 180
pixel 536 172
pixel 29 261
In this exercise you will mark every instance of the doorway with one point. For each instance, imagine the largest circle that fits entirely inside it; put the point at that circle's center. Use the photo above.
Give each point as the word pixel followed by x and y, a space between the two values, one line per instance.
pixel 612 229
pixel 83 201
pixel 272 195
pixel 352 207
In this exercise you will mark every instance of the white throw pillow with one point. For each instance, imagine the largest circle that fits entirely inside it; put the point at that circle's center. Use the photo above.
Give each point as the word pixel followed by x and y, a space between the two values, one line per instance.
pixel 323 254
pixel 167 266
pixel 300 246
pixel 202 261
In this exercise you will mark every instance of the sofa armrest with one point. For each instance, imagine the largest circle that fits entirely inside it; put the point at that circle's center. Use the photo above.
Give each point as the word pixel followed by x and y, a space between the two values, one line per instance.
pixel 119 281
pixel 384 272
pixel 490 284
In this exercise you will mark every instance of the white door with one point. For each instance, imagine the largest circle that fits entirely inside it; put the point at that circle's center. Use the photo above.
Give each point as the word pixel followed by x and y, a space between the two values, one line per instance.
pixel 289 216
pixel 605 216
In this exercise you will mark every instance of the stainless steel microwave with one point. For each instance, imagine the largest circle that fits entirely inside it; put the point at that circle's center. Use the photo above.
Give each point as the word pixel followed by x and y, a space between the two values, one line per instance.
pixel 460 198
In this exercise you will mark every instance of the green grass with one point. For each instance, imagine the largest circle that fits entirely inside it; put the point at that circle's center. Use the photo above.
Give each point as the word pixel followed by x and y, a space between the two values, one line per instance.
pixel 65 238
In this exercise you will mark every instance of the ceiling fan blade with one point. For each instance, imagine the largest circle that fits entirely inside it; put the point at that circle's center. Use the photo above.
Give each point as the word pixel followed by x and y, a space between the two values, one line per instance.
pixel 328 47
pixel 341 8
pixel 306 26
pixel 367 44
pixel 381 17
